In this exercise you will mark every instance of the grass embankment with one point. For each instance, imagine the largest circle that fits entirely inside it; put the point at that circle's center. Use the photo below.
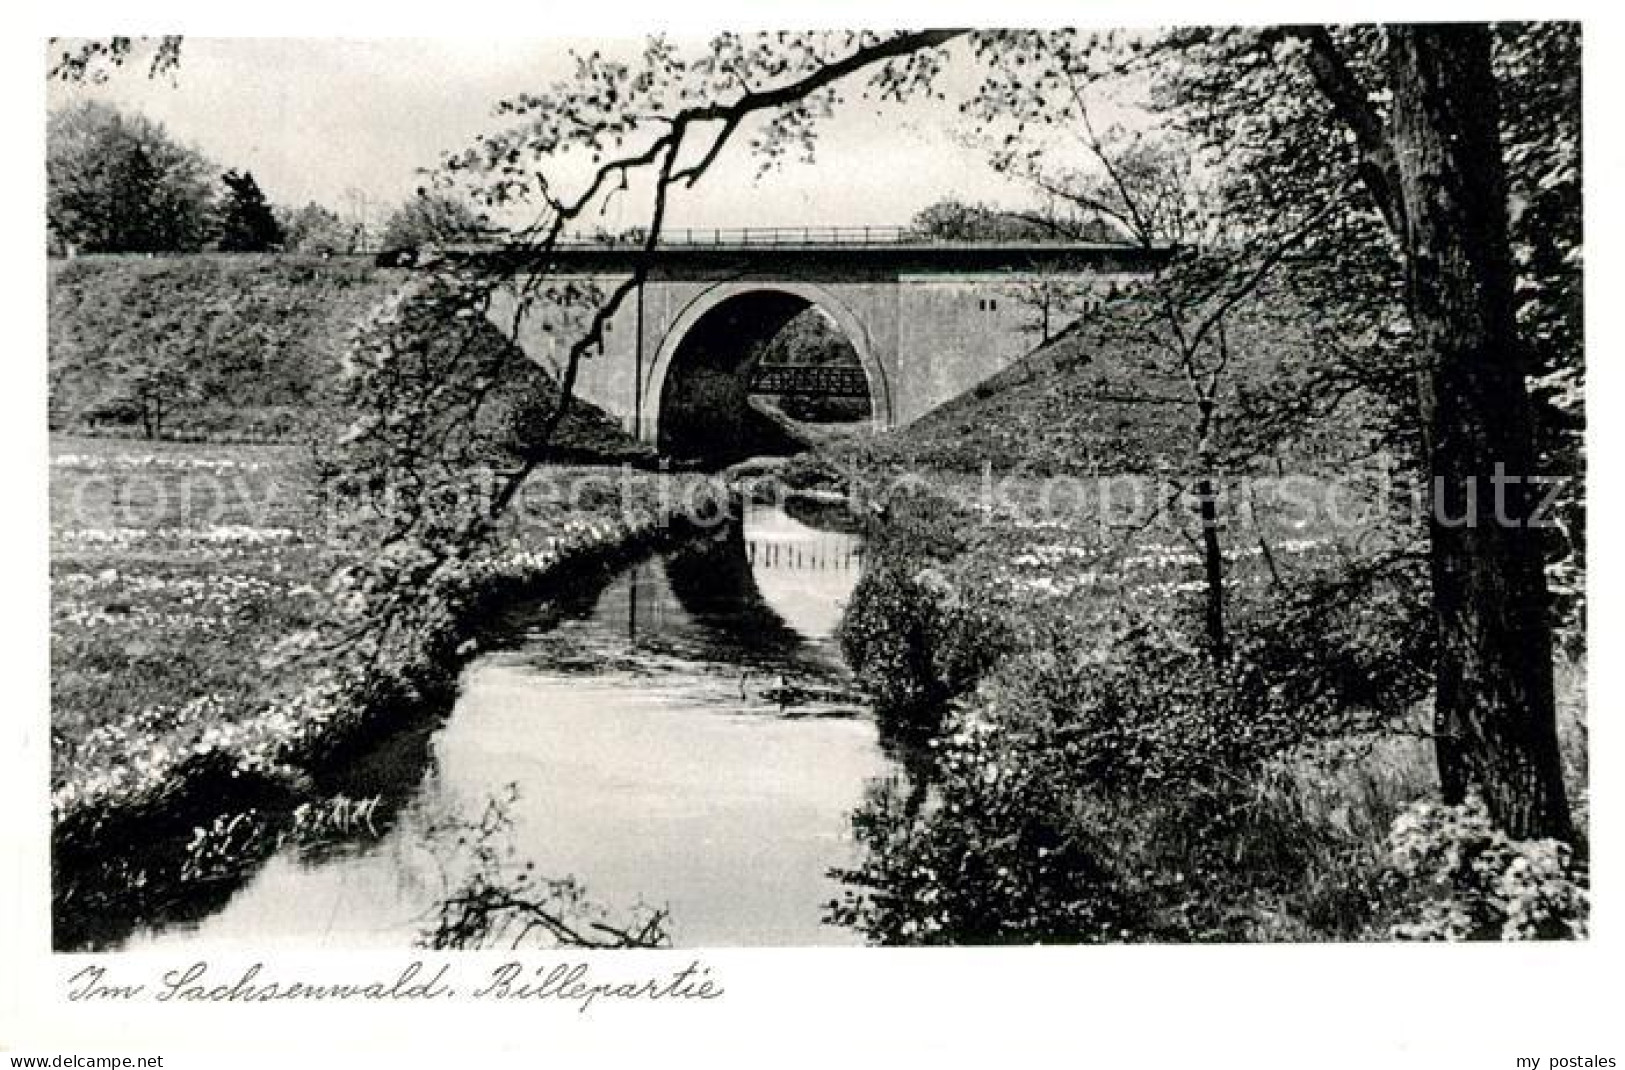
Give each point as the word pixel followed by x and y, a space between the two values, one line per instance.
pixel 1094 772
pixel 224 346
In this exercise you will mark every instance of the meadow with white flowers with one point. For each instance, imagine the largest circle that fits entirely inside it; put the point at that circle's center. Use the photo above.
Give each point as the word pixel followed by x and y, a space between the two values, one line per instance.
pixel 189 583
pixel 174 568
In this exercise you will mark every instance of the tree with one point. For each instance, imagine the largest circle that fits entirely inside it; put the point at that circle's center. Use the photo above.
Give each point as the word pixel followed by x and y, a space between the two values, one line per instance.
pixel 118 184
pixel 150 386
pixel 1435 167
pixel 431 219
pixel 951 220
pixel 1496 719
pixel 148 374
pixel 360 215
pixel 315 229
pixel 246 223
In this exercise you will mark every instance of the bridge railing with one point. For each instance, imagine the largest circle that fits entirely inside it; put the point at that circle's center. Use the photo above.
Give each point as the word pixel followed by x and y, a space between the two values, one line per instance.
pixel 810 380
pixel 733 237
pixel 736 237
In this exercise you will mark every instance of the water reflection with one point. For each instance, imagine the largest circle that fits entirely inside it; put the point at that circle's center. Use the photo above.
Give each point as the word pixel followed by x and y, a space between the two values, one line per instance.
pixel 682 736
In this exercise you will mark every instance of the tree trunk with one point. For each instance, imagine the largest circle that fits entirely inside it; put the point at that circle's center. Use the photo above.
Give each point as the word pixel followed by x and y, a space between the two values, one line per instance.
pixel 1495 712
pixel 1207 507
pixel 1212 565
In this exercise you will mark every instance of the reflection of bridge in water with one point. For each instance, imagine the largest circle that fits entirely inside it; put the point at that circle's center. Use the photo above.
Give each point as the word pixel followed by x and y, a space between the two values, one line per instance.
pixel 836 553
pixel 768 592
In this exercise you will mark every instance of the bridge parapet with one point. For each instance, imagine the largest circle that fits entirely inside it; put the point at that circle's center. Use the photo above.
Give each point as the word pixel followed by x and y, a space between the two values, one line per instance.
pixel 775 237
pixel 756 237
pixel 822 250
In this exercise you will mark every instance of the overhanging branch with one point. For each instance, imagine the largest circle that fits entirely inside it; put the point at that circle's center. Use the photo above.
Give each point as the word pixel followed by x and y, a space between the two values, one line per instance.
pixel 1352 104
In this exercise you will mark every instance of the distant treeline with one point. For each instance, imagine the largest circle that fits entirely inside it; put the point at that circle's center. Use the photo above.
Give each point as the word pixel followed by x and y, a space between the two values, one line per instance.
pixel 117 182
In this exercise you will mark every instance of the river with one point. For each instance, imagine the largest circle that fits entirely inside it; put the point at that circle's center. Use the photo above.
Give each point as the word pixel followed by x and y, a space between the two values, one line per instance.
pixel 683 737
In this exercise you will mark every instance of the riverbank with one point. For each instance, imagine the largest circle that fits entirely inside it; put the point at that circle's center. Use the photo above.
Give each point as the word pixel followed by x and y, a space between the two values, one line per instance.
pixel 672 733
pixel 183 579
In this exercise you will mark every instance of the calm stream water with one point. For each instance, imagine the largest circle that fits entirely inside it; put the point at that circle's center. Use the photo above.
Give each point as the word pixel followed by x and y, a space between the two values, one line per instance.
pixel 683 737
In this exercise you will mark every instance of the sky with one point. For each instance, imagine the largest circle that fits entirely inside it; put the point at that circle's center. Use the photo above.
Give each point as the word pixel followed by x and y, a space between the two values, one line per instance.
pixel 316 118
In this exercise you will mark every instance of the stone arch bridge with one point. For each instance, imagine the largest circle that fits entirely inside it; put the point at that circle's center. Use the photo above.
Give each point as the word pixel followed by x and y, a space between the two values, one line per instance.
pixel 927 320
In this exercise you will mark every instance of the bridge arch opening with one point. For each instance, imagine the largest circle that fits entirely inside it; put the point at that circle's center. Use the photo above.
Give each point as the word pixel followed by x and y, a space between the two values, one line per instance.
pixel 753 369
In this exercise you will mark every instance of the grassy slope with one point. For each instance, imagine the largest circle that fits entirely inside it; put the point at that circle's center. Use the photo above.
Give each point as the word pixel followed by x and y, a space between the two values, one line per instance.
pixel 1053 412
pixel 256 337
pixel 1107 397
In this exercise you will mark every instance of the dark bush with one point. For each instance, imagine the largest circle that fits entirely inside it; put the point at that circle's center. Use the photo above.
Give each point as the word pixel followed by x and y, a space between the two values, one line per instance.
pixel 1113 787
pixel 915 645
pixel 994 856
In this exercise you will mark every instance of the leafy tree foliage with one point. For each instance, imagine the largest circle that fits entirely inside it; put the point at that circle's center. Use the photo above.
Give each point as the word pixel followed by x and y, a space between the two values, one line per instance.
pixel 1538 64
pixel 118 183
pixel 91 60
pixel 952 220
pixel 246 222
